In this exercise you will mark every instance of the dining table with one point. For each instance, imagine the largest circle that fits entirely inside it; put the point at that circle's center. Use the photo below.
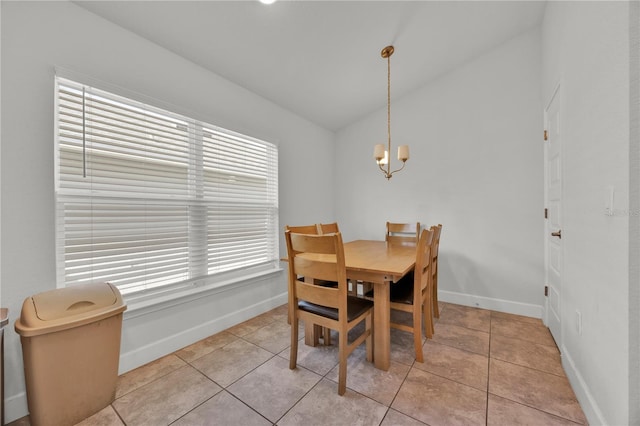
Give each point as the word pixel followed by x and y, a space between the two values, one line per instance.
pixel 382 264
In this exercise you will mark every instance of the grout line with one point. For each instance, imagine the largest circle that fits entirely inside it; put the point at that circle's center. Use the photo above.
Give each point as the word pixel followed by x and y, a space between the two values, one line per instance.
pixel 404 379
pixel 299 399
pixel 247 405
pixel 535 408
pixel 114 410
pixel 531 368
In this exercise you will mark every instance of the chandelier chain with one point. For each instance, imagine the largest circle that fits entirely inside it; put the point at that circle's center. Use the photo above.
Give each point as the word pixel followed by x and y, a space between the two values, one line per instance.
pixel 389 112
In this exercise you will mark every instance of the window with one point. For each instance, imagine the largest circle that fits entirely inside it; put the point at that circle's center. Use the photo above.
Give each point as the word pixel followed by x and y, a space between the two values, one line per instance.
pixel 150 200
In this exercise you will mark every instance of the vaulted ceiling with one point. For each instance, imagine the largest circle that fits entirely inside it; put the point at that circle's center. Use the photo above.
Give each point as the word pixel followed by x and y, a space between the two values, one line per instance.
pixel 321 59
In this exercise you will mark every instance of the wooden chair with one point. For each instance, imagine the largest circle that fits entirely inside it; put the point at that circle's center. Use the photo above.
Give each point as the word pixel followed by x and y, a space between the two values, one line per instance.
pixel 415 286
pixel 322 257
pixel 437 230
pixel 412 294
pixel 402 232
pixel 316 332
pixel 317 229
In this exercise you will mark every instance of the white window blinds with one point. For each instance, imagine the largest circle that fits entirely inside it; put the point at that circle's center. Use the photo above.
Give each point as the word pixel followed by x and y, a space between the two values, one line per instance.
pixel 148 199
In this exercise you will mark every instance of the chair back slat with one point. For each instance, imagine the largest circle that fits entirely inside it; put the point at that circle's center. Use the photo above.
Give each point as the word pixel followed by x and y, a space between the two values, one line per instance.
pixel 317 269
pixel 435 244
pixel 328 228
pixel 305 229
pixel 437 230
pixel 324 296
pixel 402 232
pixel 401 227
pixel 422 272
pixel 313 244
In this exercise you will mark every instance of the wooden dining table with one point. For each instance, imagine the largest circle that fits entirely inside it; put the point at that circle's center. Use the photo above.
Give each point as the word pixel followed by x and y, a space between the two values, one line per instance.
pixel 381 264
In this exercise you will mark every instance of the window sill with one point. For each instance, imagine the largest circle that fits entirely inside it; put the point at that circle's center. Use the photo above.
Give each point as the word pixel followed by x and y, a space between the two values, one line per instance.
pixel 139 305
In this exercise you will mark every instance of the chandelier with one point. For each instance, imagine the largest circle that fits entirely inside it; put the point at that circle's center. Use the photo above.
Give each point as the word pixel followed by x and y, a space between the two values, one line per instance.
pixel 379 153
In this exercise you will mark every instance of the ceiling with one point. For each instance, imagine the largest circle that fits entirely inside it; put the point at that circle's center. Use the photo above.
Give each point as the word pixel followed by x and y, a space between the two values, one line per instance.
pixel 321 59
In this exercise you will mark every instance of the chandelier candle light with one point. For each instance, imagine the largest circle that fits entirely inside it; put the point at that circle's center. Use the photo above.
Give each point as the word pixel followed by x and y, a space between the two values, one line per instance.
pixel 379 153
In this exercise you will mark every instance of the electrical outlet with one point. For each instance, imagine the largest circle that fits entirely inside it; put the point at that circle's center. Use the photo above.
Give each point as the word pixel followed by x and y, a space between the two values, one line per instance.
pixel 578 322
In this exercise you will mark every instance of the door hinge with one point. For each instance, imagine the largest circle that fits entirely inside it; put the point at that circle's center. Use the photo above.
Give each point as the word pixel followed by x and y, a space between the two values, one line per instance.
pixel 546 213
pixel 546 290
pixel 546 135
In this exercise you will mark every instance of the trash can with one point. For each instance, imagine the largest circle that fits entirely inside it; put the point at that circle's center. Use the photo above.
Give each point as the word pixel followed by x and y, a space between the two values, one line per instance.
pixel 71 350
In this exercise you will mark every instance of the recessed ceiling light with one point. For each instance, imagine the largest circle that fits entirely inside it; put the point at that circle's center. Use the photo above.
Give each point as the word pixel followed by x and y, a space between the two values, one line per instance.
pixel 267 1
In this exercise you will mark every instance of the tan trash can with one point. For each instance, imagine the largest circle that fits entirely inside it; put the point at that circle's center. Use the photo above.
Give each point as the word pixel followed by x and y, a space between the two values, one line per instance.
pixel 71 350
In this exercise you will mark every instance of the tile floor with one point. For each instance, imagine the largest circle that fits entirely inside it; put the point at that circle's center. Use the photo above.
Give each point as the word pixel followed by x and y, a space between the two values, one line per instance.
pixel 481 367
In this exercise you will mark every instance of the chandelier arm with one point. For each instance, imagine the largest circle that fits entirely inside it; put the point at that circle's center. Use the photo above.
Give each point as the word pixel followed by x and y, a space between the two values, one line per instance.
pixel 403 164
pixel 386 172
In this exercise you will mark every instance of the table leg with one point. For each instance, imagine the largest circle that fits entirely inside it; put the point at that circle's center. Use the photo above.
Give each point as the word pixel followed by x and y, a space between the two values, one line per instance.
pixel 312 334
pixel 381 328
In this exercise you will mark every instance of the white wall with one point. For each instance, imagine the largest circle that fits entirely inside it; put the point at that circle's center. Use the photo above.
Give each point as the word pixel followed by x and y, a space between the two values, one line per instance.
pixel 586 50
pixel 36 37
pixel 475 136
pixel 634 219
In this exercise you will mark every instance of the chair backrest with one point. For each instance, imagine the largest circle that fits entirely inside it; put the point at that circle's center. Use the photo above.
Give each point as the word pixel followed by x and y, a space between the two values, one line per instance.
pixel 402 232
pixel 319 257
pixel 422 272
pixel 437 230
pixel 304 229
pixel 328 228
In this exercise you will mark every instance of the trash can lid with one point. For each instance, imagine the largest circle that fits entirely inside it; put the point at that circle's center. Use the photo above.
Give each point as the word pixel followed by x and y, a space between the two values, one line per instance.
pixel 68 307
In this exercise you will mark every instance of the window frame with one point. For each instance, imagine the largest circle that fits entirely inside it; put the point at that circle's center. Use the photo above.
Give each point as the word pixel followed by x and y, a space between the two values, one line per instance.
pixel 195 282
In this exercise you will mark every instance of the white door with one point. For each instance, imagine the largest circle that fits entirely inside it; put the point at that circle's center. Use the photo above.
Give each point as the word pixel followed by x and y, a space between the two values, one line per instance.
pixel 553 222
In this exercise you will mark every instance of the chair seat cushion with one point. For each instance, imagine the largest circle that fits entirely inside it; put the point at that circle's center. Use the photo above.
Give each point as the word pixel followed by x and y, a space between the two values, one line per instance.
pixel 400 292
pixel 355 308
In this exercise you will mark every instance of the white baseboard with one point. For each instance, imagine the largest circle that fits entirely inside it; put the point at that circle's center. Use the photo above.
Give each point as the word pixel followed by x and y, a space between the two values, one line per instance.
pixel 170 344
pixel 15 407
pixel 508 306
pixel 587 402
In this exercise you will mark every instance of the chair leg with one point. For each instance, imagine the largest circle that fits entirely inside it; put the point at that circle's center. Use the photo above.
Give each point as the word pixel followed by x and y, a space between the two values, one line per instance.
pixel 369 341
pixel 417 334
pixel 311 334
pixel 436 309
pixel 342 369
pixel 428 317
pixel 326 336
pixel 317 332
pixel 293 354
pixel 431 323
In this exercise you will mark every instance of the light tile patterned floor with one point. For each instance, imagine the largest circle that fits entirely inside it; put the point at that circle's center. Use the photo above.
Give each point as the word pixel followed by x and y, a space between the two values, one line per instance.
pixel 481 367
